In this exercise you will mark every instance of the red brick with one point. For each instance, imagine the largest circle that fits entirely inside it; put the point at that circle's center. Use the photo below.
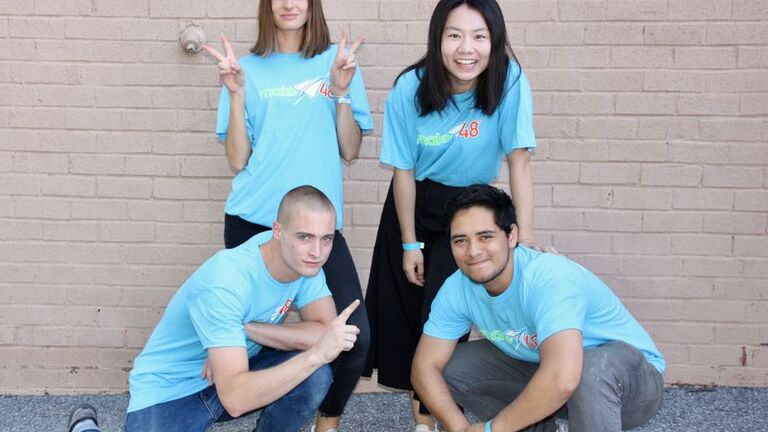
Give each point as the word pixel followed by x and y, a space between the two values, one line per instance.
pixel 621 221
pixel 181 233
pixel 581 196
pixel 750 9
pixel 702 244
pixel 554 34
pixel 642 103
pixel 35 208
pixel 549 80
pixel 670 175
pixel 735 223
pixel 641 198
pixel 708 104
pixel 582 243
pixel 746 81
pixel 581 10
pixel 555 127
pixel 751 201
pixel 674 34
pixel 670 129
pixel 112 187
pixel 614 34
pixel 99 209
pixel 166 211
pixel 580 57
pixel 754 104
pixel 694 10
pixel 555 172
pixel 675 81
pixel 740 289
pixel 736 177
pixel 673 221
pixel 582 103
pixel 737 33
pixel 126 232
pixel 641 57
pixel 707 199
pixel 642 244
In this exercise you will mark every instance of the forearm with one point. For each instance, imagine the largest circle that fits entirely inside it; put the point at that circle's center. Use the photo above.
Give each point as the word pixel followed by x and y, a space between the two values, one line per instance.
pixel 237 145
pixel 540 398
pixel 404 188
pixel 429 384
pixel 295 336
pixel 521 186
pixel 348 132
pixel 249 390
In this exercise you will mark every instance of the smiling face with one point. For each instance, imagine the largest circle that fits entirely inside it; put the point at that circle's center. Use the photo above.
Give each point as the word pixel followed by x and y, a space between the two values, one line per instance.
pixel 465 47
pixel 290 15
pixel 305 238
pixel 482 250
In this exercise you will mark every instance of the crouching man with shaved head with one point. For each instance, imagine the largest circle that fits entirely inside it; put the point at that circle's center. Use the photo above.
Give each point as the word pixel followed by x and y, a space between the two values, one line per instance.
pixel 558 342
pixel 227 311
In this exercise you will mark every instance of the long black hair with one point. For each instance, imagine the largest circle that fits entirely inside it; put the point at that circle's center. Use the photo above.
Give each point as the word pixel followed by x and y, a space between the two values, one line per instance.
pixel 434 90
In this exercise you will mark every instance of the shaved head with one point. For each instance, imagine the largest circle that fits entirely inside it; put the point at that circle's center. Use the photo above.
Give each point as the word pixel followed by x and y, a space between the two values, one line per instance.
pixel 307 197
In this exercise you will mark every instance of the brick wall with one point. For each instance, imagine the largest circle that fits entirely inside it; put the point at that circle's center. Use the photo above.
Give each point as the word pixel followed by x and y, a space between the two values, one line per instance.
pixel 652 123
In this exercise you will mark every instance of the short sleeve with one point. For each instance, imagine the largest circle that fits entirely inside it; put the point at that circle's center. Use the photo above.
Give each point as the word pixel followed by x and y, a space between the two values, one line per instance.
pixel 555 305
pixel 217 316
pixel 516 113
pixel 396 150
pixel 449 317
pixel 222 116
pixel 312 289
pixel 360 108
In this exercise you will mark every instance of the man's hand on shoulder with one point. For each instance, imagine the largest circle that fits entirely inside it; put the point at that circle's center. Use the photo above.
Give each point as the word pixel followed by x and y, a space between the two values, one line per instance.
pixel 339 337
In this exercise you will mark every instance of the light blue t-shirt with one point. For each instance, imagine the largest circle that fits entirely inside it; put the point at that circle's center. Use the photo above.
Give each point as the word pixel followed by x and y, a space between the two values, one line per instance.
pixel 548 294
pixel 230 289
pixel 458 146
pixel 290 119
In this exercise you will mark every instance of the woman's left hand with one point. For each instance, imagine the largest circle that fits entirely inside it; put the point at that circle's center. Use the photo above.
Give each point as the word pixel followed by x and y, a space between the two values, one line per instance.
pixel 343 68
pixel 531 244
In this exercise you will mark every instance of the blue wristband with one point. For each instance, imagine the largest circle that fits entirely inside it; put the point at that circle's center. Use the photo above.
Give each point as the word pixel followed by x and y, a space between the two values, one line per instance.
pixel 413 246
pixel 342 99
pixel 488 426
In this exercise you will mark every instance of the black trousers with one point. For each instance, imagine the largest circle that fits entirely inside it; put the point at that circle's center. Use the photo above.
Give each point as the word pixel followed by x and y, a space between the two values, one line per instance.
pixel 397 308
pixel 344 284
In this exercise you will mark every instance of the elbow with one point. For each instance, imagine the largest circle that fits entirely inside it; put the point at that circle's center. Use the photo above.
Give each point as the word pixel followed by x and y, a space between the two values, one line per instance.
pixel 236 165
pixel 231 405
pixel 567 384
pixel 349 155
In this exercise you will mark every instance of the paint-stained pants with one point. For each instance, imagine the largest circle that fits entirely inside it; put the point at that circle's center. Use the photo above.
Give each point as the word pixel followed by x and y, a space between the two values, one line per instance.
pixel 619 389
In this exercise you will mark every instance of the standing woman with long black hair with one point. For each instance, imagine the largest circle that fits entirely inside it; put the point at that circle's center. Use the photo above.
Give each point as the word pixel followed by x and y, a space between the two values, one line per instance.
pixel 288 114
pixel 449 121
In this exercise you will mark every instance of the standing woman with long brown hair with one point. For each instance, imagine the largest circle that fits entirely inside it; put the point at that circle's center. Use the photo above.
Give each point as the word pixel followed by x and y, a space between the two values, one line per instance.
pixel 449 121
pixel 288 114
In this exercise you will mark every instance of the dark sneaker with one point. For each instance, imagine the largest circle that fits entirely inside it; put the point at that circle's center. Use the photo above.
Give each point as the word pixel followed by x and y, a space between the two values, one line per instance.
pixel 82 412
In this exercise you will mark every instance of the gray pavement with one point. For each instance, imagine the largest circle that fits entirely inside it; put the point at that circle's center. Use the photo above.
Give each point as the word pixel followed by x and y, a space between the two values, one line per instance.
pixel 722 409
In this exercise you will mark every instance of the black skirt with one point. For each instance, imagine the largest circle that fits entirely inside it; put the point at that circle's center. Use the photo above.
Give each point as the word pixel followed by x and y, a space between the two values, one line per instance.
pixel 397 309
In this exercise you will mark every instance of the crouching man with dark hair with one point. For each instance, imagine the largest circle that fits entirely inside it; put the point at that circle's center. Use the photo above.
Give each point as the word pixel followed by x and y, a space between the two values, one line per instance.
pixel 557 340
pixel 218 321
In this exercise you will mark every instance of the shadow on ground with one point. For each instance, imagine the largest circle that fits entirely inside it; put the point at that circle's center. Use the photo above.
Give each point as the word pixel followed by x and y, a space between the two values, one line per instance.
pixel 721 409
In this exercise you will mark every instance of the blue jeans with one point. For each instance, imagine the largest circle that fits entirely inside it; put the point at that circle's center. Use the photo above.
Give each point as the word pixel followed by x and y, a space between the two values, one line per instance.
pixel 619 389
pixel 198 411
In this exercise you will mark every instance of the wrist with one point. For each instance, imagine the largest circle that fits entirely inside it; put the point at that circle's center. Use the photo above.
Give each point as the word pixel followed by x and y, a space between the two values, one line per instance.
pixel 413 246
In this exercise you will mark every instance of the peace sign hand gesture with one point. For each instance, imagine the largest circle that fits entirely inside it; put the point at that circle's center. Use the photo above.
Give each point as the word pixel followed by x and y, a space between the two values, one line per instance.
pixel 229 68
pixel 343 68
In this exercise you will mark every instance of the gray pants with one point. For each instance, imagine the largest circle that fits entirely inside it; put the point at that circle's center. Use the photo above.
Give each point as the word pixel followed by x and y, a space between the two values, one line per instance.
pixel 619 389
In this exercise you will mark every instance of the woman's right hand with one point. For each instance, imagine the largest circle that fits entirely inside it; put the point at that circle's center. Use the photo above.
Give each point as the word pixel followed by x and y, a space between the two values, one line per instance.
pixel 413 266
pixel 229 68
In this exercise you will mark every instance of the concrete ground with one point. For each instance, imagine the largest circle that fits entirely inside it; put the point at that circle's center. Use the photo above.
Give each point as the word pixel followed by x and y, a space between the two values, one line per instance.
pixel 721 409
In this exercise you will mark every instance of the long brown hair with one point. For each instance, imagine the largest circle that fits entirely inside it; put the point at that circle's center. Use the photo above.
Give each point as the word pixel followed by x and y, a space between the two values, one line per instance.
pixel 317 38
